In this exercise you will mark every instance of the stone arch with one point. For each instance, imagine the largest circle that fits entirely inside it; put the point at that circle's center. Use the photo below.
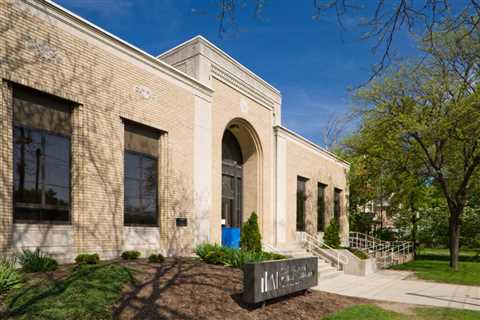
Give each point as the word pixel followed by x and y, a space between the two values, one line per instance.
pixel 252 166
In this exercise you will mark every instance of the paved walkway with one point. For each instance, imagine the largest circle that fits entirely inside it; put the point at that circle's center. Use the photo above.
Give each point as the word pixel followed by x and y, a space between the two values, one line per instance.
pixel 389 285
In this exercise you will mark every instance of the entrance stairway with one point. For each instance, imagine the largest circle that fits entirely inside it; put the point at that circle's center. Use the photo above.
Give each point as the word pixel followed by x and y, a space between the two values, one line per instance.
pixel 298 250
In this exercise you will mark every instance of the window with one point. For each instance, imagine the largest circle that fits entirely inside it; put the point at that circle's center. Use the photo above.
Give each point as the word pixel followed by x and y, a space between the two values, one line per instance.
pixel 337 205
pixel 41 157
pixel 321 207
pixel 141 175
pixel 301 198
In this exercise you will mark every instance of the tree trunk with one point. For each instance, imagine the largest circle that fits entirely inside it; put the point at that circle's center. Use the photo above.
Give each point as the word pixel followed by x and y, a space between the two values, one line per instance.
pixel 454 240
pixel 414 235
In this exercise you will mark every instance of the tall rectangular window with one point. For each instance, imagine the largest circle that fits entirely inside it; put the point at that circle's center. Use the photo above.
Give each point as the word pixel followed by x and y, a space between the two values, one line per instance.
pixel 301 199
pixel 321 207
pixel 337 205
pixel 141 175
pixel 41 157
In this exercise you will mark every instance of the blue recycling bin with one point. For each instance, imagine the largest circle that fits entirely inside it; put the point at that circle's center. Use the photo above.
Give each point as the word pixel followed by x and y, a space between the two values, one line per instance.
pixel 231 237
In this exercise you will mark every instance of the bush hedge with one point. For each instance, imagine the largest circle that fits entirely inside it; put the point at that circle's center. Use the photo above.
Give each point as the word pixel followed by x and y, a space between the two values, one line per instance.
pixel 36 261
pixel 87 258
pixel 359 253
pixel 156 258
pixel 215 254
pixel 130 255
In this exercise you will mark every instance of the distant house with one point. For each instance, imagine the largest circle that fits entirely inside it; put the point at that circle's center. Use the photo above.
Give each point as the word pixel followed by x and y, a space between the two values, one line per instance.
pixel 106 148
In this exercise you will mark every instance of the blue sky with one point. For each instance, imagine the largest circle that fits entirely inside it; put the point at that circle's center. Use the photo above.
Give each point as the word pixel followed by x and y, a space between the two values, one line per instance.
pixel 312 62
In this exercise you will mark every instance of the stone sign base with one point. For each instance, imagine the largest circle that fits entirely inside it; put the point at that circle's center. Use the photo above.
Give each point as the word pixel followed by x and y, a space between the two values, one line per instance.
pixel 272 279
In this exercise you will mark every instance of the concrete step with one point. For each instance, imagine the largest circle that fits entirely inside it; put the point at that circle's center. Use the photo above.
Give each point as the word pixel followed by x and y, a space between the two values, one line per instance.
pixel 325 268
pixel 329 274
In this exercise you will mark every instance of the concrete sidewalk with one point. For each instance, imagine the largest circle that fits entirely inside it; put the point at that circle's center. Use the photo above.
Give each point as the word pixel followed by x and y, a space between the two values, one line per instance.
pixel 389 285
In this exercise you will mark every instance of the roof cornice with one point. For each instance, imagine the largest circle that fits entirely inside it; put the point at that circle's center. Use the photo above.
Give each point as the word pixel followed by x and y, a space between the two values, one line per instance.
pixel 310 145
pixel 227 57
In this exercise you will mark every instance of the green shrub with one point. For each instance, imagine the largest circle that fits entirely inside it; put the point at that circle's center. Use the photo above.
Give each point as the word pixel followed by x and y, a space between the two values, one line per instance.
pixel 250 238
pixel 156 258
pixel 87 258
pixel 274 256
pixel 215 254
pixel 130 255
pixel 331 236
pixel 36 261
pixel 359 253
pixel 9 276
pixel 203 249
pixel 216 257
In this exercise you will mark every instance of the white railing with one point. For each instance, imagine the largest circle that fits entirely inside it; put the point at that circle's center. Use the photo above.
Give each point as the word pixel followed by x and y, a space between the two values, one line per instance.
pixel 320 248
pixel 387 253
pixel 270 248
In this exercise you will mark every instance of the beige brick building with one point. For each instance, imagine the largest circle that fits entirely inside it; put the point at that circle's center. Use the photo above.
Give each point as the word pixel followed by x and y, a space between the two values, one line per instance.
pixel 106 148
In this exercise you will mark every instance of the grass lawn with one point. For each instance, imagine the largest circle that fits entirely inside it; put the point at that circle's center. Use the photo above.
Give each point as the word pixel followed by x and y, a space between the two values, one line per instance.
pixel 88 292
pixel 433 265
pixel 372 312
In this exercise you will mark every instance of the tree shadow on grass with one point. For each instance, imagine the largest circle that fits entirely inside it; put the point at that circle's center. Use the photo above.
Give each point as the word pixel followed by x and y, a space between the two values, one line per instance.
pixel 82 279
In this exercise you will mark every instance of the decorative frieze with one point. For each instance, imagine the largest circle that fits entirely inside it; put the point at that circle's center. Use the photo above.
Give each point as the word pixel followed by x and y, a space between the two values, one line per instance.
pixel 145 93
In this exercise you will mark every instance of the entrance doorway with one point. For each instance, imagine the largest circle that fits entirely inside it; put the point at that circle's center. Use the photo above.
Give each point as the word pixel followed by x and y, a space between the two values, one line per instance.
pixel 232 174
pixel 232 187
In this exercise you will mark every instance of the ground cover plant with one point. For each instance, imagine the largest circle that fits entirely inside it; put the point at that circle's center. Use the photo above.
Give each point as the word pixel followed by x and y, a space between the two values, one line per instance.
pixel 216 254
pixel 156 258
pixel 433 265
pixel 9 277
pixel 87 258
pixel 36 261
pixel 130 255
pixel 86 292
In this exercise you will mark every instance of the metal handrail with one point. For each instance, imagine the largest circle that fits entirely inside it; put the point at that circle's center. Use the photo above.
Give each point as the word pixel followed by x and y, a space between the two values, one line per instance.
pixel 270 248
pixel 382 250
pixel 320 246
pixel 402 249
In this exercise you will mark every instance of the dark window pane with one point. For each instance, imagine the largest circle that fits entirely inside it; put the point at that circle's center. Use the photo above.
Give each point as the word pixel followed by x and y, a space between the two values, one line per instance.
pixel 301 197
pixel 41 175
pixel 132 165
pixel 29 192
pixel 140 186
pixel 321 208
pixel 56 195
pixel 132 188
pixel 336 205
pixel 40 214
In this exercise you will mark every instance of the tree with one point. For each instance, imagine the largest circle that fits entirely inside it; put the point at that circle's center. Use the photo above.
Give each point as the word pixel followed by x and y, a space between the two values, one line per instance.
pixel 426 117
pixel 332 236
pixel 250 238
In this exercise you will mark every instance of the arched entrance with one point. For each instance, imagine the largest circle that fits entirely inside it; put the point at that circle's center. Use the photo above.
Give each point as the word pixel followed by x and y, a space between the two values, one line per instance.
pixel 241 179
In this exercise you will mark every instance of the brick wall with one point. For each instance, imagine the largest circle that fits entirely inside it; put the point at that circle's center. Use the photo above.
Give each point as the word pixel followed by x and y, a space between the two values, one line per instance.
pixel 107 84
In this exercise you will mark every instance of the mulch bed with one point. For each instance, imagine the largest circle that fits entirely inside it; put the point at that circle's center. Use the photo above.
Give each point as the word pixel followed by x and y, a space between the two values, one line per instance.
pixel 191 289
